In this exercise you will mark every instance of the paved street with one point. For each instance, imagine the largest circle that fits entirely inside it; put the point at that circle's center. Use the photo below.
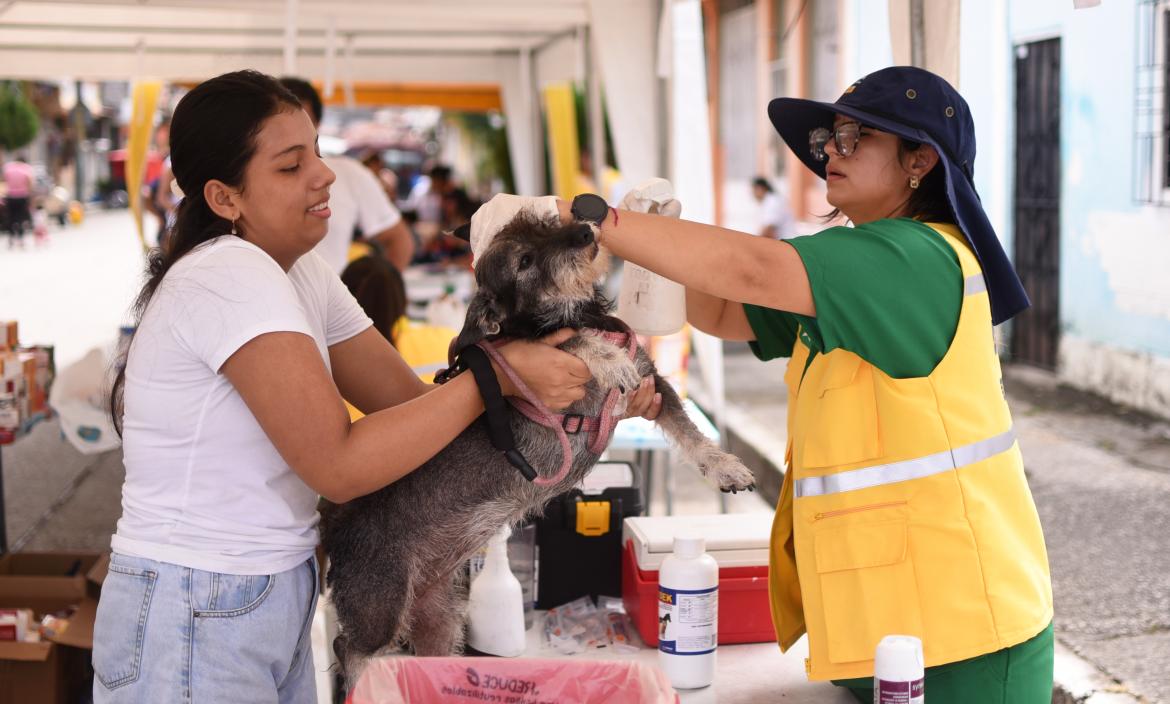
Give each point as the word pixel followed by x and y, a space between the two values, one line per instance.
pixel 1101 479
pixel 76 291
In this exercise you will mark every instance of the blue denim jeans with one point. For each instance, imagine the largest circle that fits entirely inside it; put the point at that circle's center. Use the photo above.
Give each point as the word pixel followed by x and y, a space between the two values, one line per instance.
pixel 166 633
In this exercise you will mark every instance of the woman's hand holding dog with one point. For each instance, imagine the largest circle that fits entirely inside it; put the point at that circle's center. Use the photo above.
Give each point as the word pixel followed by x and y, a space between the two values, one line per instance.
pixel 557 378
pixel 645 401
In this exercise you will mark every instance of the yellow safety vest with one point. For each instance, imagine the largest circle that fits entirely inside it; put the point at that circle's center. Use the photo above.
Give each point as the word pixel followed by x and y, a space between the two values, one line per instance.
pixel 905 508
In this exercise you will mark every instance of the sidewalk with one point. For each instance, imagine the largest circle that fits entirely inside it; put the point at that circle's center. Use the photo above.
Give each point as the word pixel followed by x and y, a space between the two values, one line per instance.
pixel 1100 475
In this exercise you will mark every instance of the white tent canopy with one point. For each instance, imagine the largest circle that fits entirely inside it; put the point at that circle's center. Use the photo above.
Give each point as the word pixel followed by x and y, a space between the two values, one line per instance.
pixel 518 45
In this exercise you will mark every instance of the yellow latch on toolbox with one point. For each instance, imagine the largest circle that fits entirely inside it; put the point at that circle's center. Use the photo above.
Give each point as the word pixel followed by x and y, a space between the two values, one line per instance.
pixel 592 517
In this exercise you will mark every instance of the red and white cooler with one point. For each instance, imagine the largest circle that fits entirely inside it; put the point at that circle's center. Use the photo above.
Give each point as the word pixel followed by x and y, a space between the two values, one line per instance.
pixel 739 544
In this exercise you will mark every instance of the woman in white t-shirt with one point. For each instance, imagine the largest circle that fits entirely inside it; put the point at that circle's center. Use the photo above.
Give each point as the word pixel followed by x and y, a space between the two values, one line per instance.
pixel 233 420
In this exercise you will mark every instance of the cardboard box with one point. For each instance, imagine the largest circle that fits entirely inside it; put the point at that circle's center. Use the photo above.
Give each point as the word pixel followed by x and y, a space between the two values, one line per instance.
pixel 55 670
pixel 737 541
pixel 97 575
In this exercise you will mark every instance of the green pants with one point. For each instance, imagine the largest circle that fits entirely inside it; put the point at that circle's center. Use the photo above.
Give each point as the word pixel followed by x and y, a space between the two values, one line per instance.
pixel 1021 674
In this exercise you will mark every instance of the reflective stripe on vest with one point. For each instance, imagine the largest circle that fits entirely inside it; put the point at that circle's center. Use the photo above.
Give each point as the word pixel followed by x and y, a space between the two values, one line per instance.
pixel 973 285
pixel 882 474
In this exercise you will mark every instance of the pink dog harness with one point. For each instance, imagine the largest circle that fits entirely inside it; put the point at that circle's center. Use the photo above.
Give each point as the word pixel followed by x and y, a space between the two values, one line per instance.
pixel 599 427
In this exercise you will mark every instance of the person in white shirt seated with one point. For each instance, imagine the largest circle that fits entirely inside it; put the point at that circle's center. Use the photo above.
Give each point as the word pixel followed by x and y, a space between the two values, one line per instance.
pixel 357 200
pixel 230 405
pixel 776 220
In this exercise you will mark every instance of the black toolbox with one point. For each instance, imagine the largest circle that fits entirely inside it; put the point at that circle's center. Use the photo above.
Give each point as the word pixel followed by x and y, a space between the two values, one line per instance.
pixel 579 542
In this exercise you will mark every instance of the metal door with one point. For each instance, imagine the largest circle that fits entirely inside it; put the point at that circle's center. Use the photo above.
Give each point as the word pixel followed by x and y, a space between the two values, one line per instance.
pixel 1036 331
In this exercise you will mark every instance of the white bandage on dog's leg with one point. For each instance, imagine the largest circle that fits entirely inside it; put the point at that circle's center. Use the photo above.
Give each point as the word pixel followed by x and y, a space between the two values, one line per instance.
pixel 493 215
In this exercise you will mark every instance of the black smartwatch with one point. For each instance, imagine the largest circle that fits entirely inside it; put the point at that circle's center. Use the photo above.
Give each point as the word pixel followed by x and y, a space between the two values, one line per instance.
pixel 589 207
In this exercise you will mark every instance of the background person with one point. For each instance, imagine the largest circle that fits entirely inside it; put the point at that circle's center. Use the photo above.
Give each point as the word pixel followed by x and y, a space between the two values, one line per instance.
pixel 20 182
pixel 776 220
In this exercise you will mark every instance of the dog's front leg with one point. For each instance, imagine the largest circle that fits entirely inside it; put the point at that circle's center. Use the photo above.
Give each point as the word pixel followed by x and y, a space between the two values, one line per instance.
pixel 724 468
pixel 609 364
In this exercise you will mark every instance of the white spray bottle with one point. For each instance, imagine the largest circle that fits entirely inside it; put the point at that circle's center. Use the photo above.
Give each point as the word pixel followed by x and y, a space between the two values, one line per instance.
pixel 649 303
pixel 495 609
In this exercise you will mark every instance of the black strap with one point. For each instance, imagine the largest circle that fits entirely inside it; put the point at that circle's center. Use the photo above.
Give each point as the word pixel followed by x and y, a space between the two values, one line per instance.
pixel 498 412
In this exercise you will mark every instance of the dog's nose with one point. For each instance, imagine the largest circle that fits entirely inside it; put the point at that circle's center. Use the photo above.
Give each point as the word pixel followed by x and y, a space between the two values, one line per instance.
pixel 582 236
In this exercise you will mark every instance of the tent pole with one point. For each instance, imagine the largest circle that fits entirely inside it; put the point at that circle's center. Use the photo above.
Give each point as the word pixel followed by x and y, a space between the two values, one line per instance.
pixel 918 33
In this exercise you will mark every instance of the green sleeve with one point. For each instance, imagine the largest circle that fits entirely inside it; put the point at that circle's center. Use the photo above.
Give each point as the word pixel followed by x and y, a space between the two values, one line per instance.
pixel 889 291
pixel 775 331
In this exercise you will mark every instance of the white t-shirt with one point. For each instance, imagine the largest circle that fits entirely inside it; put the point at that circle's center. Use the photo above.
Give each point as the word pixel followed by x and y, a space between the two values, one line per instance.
pixel 775 213
pixel 356 199
pixel 205 487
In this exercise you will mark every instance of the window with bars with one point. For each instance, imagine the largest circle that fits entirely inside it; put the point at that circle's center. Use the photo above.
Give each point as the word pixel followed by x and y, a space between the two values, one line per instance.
pixel 1152 103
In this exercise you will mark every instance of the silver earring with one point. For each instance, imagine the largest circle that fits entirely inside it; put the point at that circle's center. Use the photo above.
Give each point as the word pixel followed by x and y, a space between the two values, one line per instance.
pixel 914 182
pixel 234 227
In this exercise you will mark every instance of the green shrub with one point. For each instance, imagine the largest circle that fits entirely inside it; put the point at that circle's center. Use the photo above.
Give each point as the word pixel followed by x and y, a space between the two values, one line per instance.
pixel 18 118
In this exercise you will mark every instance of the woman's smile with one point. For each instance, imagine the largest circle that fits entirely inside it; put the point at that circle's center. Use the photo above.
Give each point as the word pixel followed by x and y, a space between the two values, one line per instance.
pixel 321 209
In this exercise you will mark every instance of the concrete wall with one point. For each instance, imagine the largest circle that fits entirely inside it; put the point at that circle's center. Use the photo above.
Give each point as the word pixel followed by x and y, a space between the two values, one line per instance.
pixel 1114 290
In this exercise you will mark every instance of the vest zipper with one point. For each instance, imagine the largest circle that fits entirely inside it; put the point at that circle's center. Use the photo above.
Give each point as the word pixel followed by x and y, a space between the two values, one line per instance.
pixel 856 509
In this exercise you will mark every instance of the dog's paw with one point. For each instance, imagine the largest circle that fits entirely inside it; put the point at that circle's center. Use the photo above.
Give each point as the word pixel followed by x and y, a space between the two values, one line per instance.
pixel 727 471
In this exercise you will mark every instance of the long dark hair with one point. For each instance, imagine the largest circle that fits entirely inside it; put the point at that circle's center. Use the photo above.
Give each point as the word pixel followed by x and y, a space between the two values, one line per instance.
pixel 379 289
pixel 213 136
pixel 928 202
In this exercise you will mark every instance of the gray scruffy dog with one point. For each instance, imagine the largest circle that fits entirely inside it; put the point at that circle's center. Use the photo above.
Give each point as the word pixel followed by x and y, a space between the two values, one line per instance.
pixel 395 555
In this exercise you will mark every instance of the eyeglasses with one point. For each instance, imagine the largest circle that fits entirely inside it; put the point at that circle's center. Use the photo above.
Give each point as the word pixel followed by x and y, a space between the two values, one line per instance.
pixel 845 137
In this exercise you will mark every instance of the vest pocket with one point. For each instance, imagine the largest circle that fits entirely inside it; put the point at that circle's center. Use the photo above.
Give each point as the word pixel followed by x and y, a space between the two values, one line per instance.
pixel 868 588
pixel 844 423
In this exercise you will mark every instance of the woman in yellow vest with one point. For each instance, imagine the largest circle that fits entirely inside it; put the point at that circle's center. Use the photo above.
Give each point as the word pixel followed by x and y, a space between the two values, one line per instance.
pixel 904 508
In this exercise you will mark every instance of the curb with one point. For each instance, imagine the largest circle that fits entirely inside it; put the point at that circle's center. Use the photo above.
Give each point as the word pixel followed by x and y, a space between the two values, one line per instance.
pixel 1077 681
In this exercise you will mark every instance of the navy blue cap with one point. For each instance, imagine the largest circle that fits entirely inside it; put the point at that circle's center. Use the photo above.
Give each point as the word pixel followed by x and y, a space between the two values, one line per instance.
pixel 916 104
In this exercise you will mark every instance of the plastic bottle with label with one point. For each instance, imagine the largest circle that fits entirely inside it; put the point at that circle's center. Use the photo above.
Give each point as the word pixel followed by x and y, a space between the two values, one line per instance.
pixel 688 614
pixel 495 608
pixel 649 303
pixel 898 671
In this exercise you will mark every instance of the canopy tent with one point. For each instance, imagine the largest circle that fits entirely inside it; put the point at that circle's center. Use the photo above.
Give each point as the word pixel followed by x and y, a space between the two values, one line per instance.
pixel 399 47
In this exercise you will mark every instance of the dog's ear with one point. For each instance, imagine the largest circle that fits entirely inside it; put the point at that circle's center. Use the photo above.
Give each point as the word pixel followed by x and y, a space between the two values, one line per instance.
pixel 483 319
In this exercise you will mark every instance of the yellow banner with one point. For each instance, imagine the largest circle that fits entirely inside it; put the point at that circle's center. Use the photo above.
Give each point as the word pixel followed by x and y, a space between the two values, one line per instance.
pixel 141 129
pixel 564 157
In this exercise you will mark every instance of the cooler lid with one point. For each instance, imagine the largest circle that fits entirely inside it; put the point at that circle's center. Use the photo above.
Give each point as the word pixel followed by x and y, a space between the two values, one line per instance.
pixel 607 474
pixel 733 539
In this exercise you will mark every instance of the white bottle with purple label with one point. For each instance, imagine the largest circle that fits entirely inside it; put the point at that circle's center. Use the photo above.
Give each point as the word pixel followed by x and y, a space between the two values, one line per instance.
pixel 688 614
pixel 898 671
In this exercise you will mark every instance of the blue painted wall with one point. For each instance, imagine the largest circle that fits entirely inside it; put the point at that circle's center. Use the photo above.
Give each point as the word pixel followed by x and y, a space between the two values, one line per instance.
pixel 1098 210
